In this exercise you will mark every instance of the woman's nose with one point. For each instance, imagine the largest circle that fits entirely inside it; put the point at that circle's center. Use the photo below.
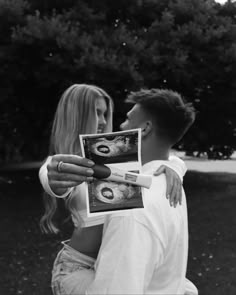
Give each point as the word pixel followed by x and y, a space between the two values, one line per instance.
pixel 102 120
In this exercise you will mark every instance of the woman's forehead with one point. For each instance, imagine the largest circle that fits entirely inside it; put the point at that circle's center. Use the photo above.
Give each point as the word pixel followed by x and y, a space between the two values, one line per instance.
pixel 101 103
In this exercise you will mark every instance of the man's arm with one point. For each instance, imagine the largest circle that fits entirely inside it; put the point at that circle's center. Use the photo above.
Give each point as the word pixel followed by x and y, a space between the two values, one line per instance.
pixel 127 258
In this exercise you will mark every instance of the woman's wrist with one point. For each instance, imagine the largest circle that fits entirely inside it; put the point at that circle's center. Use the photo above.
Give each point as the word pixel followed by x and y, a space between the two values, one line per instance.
pixel 59 191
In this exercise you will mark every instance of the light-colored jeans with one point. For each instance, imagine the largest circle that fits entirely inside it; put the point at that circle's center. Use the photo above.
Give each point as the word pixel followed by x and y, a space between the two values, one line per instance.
pixel 72 272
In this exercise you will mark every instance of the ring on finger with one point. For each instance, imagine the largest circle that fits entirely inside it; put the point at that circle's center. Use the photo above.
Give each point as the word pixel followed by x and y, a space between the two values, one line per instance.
pixel 59 166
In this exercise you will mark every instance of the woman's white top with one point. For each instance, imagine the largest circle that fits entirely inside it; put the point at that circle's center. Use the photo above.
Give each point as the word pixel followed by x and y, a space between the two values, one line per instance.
pixel 79 214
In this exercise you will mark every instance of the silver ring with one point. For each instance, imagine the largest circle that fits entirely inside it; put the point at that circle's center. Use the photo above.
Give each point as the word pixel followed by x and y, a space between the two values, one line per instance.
pixel 59 166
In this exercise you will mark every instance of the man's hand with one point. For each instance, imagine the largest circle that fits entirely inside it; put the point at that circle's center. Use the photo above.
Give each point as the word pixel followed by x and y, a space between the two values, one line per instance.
pixel 173 183
pixel 66 171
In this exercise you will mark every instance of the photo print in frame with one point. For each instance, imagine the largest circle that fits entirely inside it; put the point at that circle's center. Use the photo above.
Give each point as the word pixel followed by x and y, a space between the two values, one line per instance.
pixel 117 150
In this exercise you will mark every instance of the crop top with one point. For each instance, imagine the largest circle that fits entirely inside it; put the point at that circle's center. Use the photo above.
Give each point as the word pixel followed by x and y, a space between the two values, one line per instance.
pixel 79 214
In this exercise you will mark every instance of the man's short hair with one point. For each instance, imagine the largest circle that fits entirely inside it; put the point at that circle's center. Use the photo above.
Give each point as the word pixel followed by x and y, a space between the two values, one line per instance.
pixel 172 115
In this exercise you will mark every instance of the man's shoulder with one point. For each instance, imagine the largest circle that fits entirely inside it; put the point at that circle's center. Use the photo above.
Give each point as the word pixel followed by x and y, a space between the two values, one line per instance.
pixel 157 189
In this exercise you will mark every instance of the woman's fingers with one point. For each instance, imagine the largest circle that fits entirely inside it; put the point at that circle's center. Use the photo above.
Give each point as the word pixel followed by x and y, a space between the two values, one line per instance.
pixel 62 184
pixel 173 185
pixel 68 176
pixel 69 170
pixel 169 179
pixel 72 171
pixel 159 171
pixel 172 188
pixel 179 198
pixel 173 193
pixel 176 192
pixel 169 184
pixel 178 195
pixel 72 159
pixel 75 165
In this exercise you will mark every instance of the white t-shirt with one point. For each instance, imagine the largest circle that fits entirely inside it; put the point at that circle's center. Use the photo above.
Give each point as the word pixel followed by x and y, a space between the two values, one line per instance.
pixel 80 214
pixel 145 251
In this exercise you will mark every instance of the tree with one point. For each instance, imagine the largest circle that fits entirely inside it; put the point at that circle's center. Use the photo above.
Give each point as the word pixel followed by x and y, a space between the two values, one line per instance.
pixel 186 45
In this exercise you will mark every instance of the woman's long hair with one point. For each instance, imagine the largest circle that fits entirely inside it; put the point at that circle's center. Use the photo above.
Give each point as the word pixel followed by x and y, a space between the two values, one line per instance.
pixel 75 115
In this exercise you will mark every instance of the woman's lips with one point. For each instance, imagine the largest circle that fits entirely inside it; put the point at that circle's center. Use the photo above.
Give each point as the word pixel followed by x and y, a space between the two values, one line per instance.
pixel 100 129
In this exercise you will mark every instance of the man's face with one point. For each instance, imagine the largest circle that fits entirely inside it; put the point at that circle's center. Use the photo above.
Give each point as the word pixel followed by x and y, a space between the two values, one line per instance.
pixel 134 118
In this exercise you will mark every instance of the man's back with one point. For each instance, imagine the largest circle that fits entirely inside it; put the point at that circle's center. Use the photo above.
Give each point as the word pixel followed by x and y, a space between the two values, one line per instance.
pixel 169 228
pixel 144 251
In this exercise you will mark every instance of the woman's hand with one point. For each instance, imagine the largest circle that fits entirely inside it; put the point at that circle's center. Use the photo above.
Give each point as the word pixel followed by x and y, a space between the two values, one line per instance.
pixel 173 183
pixel 66 171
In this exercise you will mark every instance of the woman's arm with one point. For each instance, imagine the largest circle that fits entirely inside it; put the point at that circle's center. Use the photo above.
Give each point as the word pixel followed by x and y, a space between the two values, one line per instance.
pixel 174 170
pixel 178 166
pixel 43 177
pixel 73 171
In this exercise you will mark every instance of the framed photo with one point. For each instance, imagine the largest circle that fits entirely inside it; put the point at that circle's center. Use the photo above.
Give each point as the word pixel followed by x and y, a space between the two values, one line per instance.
pixel 117 150
pixel 112 148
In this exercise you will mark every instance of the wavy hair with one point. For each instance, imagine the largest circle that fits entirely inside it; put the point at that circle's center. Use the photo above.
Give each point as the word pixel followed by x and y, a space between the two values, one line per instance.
pixel 75 115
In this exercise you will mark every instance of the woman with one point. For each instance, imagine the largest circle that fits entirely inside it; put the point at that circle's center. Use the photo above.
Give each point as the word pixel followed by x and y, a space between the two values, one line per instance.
pixel 83 109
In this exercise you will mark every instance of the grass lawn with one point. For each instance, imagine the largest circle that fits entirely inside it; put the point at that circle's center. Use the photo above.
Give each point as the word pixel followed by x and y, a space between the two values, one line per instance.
pixel 27 255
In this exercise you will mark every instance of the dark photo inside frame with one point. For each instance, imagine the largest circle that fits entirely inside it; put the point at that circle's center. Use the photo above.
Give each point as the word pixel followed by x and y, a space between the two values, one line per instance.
pixel 107 196
pixel 112 148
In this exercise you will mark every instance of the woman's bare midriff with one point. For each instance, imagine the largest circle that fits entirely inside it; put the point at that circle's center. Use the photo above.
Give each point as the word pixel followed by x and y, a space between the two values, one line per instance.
pixel 87 240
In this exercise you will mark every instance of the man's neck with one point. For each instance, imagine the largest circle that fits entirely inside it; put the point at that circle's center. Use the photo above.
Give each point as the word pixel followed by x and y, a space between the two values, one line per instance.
pixel 154 150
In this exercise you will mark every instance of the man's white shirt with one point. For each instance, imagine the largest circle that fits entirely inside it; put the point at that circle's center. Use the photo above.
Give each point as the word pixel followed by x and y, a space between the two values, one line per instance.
pixel 145 251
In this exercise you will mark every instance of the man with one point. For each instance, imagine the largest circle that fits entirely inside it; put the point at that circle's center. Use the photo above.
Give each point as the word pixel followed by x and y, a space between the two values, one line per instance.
pixel 145 251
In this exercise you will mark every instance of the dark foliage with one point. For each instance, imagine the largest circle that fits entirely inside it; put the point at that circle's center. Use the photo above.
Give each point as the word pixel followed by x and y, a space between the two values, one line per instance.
pixel 45 46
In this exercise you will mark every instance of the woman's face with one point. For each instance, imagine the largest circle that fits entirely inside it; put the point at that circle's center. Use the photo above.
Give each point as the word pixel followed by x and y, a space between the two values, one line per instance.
pixel 101 113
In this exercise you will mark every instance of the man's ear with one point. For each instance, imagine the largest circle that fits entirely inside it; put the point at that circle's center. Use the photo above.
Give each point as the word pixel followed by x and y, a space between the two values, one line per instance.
pixel 147 128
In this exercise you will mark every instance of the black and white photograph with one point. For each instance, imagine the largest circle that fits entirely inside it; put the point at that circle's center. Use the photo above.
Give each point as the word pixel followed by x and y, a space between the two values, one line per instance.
pixel 117 147
pixel 112 148
pixel 106 196
pixel 119 152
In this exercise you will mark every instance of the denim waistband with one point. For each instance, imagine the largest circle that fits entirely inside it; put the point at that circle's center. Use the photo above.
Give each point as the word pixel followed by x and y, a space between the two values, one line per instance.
pixel 78 255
